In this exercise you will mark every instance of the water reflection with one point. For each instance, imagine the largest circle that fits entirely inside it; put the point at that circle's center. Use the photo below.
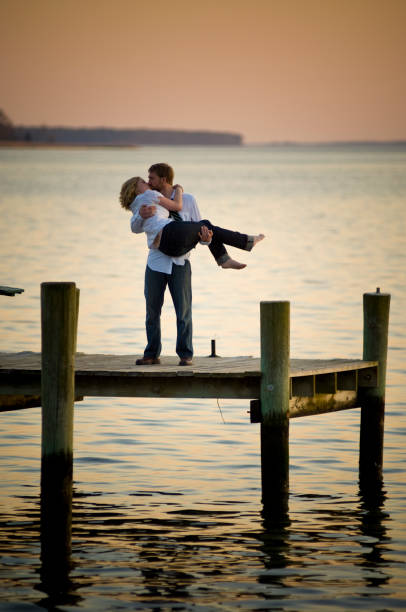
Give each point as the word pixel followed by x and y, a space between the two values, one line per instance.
pixel 274 541
pixel 372 525
pixel 56 534
pixel 151 552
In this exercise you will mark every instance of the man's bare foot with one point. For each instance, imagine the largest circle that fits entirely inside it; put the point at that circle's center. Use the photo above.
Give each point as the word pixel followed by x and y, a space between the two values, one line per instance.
pixel 258 238
pixel 232 264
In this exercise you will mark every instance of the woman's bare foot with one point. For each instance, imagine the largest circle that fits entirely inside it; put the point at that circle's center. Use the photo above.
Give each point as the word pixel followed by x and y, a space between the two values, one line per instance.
pixel 258 238
pixel 232 264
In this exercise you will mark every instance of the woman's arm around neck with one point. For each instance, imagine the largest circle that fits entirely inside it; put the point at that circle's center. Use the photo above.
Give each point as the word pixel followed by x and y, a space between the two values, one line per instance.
pixel 176 203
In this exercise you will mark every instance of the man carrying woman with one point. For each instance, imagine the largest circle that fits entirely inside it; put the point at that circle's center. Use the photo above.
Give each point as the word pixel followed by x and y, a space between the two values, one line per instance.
pixel 153 204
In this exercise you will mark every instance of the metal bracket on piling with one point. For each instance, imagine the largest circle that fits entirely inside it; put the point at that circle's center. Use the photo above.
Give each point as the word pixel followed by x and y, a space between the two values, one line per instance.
pixel 255 411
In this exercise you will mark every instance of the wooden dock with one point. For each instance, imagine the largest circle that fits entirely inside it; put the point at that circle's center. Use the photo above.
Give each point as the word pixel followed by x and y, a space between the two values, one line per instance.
pixel 316 385
pixel 10 291
pixel 278 388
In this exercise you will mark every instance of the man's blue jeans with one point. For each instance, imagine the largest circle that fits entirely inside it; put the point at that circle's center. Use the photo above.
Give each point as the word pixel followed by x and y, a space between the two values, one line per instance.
pixel 180 286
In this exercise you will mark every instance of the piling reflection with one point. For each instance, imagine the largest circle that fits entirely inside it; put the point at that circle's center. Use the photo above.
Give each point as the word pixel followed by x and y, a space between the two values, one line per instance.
pixel 372 502
pixel 275 500
pixel 274 545
pixel 56 534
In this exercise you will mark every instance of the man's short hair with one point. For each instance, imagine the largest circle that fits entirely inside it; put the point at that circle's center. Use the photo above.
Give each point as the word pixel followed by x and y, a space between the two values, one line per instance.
pixel 163 171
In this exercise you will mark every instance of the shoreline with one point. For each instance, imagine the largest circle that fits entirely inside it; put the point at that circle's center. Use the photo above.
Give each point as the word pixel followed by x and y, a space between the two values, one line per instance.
pixel 16 144
pixel 396 146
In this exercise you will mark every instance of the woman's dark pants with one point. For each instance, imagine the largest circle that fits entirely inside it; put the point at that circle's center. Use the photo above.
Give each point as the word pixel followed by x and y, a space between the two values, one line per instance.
pixel 179 237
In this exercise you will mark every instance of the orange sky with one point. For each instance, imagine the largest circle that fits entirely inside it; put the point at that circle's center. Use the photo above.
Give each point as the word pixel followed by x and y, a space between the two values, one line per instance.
pixel 306 70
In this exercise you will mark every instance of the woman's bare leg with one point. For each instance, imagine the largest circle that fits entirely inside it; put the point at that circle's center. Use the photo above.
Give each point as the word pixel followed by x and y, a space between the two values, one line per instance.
pixel 232 264
pixel 258 238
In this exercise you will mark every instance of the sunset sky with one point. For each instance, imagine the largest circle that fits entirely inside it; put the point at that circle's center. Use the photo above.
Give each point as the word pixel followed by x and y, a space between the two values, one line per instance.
pixel 272 70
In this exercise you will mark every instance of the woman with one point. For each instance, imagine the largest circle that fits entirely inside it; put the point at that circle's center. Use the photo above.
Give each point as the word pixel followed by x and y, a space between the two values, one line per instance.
pixel 177 237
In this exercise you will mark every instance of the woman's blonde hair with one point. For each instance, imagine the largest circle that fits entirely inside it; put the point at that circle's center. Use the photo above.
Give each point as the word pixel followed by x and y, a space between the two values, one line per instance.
pixel 128 192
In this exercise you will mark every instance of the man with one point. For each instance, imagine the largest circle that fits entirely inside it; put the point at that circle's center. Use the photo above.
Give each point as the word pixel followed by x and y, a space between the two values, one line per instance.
pixel 162 271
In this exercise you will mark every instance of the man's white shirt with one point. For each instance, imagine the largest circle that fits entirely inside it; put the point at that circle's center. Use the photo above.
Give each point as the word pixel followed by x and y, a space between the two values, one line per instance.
pixel 159 261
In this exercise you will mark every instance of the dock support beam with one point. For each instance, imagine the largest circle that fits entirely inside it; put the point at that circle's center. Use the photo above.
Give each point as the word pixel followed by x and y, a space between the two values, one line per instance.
pixel 376 323
pixel 59 317
pixel 275 348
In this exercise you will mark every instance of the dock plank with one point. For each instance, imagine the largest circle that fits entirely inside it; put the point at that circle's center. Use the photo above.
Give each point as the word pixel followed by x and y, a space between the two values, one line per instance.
pixel 124 365
pixel 10 291
pixel 105 375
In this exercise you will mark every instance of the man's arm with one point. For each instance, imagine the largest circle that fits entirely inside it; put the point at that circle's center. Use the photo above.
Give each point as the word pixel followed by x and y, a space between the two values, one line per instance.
pixel 205 234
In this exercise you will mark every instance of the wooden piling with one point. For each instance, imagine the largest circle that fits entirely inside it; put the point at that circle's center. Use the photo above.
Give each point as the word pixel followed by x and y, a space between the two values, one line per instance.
pixel 76 321
pixel 376 323
pixel 59 326
pixel 59 315
pixel 274 394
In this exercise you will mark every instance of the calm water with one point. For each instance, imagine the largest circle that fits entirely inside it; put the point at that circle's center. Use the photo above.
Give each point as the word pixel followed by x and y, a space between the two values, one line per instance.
pixel 167 512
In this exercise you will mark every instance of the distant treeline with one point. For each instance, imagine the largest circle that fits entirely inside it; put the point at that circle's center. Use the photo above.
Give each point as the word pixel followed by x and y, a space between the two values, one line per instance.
pixel 110 136
pixel 7 131
pixel 122 137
